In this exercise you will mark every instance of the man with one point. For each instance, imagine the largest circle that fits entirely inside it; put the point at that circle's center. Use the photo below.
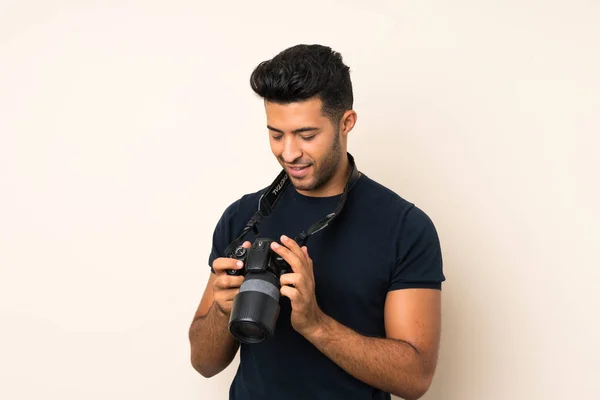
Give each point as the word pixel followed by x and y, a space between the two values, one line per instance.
pixel 360 312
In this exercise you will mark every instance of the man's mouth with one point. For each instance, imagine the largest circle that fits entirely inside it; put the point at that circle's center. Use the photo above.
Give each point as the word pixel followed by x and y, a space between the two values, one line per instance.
pixel 298 171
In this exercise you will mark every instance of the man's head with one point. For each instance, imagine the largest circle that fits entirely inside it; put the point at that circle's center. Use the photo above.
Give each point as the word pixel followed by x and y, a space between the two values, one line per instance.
pixel 308 102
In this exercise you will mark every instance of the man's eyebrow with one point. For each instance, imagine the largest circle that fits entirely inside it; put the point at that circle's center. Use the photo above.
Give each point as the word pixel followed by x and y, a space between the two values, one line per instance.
pixel 299 130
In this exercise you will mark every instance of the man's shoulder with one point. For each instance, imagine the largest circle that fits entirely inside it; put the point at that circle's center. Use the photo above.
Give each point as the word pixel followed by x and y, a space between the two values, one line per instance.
pixel 246 204
pixel 387 206
pixel 373 191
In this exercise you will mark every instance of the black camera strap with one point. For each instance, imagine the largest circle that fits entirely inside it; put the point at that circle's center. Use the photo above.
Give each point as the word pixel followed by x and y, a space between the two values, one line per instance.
pixel 271 196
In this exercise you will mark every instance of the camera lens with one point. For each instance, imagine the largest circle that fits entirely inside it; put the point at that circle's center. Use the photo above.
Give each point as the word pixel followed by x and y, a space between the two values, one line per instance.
pixel 255 308
pixel 248 332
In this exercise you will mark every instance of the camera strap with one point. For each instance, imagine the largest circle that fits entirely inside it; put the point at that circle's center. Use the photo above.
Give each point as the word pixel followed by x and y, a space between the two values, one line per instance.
pixel 271 196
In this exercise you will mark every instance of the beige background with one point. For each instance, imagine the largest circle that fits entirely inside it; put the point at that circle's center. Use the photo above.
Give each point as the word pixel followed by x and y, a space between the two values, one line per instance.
pixel 126 127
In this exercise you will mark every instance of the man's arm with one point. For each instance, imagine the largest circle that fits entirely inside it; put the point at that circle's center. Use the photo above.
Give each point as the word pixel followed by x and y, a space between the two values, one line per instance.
pixel 404 362
pixel 212 347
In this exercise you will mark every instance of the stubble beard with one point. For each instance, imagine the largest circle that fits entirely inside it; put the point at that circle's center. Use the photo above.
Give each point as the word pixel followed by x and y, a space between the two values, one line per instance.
pixel 326 171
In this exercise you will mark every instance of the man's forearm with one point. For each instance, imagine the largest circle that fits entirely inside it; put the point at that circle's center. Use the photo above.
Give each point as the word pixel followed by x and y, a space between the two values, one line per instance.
pixel 390 365
pixel 212 346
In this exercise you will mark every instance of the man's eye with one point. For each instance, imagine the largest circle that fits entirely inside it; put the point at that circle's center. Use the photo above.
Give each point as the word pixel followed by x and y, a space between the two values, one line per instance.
pixel 308 137
pixel 277 137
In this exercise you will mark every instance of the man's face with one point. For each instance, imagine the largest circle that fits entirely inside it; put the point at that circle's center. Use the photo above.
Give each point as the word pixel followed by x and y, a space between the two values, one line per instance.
pixel 305 142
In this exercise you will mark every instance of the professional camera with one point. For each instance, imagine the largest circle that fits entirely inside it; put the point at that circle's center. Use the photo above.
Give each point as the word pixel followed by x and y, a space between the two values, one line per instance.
pixel 256 307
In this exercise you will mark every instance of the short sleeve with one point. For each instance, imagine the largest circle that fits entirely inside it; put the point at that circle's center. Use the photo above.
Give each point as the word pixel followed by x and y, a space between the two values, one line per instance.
pixel 419 257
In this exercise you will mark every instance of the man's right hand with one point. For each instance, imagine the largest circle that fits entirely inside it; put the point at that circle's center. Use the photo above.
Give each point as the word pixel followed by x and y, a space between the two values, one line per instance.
pixel 226 287
pixel 212 347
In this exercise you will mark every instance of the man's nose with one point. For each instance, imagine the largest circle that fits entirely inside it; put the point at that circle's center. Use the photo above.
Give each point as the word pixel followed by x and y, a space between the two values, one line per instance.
pixel 291 150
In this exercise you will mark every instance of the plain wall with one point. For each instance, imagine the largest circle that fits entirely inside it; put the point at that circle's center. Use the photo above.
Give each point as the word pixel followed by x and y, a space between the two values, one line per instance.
pixel 126 128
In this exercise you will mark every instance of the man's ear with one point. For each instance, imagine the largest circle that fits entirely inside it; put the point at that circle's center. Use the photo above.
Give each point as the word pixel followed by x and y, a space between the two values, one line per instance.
pixel 347 122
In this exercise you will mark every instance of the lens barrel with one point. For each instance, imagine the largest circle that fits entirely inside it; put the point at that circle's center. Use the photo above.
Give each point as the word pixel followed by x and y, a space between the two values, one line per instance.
pixel 255 308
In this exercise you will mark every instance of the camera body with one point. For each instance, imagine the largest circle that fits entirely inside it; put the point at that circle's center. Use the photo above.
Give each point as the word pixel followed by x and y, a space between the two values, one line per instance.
pixel 256 307
pixel 259 258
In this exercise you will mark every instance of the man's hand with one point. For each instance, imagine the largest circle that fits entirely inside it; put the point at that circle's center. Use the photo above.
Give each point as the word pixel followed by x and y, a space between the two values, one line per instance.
pixel 225 286
pixel 299 286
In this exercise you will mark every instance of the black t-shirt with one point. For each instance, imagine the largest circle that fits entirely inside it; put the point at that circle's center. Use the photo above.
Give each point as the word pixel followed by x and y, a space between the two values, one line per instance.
pixel 379 242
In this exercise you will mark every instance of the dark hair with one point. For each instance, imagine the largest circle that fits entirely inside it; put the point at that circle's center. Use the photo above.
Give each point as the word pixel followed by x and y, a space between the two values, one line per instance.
pixel 302 72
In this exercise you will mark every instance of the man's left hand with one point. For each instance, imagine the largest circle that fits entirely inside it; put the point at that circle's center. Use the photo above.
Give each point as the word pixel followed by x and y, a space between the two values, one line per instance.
pixel 299 286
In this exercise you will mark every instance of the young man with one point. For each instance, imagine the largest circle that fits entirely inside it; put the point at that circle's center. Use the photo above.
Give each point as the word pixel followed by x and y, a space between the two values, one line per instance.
pixel 360 312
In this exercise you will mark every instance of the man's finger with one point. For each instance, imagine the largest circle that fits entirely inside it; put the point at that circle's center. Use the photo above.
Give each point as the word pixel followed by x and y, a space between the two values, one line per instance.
pixel 292 279
pixel 292 245
pixel 305 252
pixel 221 265
pixel 291 258
pixel 291 293
pixel 228 281
pixel 309 261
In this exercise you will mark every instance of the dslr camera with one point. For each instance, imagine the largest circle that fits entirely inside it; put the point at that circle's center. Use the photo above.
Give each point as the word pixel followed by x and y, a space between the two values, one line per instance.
pixel 256 307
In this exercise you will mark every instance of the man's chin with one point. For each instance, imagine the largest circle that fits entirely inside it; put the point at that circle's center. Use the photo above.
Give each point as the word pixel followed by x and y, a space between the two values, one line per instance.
pixel 304 184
